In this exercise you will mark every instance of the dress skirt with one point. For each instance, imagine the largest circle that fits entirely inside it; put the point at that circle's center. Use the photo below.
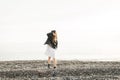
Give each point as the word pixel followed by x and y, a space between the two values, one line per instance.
pixel 50 52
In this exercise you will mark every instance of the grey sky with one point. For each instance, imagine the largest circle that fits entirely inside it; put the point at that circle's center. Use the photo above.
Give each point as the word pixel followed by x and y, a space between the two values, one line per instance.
pixel 87 29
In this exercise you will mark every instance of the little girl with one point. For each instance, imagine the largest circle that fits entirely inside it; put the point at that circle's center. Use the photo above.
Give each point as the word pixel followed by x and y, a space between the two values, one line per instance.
pixel 52 44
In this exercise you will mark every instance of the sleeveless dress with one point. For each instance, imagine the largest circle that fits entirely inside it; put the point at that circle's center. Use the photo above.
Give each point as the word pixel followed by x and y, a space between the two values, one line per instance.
pixel 50 52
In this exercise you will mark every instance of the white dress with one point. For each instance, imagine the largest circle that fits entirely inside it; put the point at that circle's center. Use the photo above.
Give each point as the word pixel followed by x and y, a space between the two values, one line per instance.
pixel 50 52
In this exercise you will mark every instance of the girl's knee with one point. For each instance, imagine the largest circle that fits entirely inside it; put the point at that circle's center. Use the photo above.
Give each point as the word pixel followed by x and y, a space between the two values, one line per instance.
pixel 49 58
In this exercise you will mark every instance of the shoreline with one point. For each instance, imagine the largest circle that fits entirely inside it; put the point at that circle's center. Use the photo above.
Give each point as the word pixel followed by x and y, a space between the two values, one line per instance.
pixel 94 60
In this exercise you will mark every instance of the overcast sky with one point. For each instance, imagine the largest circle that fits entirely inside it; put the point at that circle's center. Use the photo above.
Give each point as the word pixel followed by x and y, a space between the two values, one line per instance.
pixel 87 29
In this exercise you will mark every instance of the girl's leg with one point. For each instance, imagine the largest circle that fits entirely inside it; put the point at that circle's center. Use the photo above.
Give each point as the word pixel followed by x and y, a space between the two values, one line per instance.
pixel 54 62
pixel 49 62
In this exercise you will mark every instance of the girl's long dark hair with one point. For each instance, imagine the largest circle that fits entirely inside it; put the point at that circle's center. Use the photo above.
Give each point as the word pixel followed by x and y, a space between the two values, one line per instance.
pixel 54 38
